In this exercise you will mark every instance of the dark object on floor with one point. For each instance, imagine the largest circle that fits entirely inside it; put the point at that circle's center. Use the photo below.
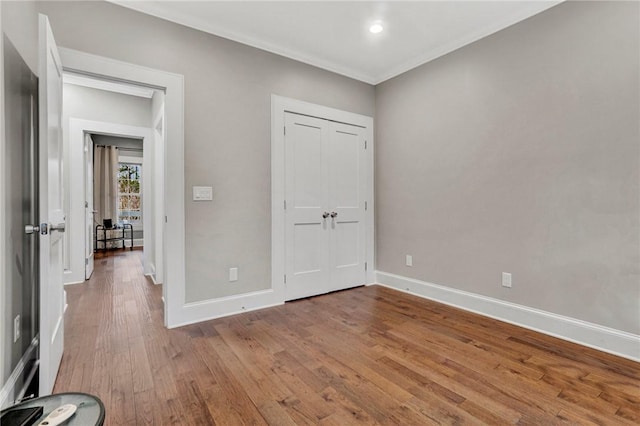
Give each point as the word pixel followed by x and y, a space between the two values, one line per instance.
pixel 90 410
pixel 21 416
pixel 107 223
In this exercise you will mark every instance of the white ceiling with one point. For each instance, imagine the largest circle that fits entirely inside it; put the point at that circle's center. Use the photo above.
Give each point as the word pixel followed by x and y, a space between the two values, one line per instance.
pixel 334 35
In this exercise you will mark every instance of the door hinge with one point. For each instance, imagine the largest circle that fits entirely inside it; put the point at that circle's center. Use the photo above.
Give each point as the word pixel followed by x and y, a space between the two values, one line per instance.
pixel 86 204
pixel 365 266
pixel 285 130
pixel 165 219
pixel 365 144
pixel 285 204
pixel 365 205
pixel 86 261
pixel 285 278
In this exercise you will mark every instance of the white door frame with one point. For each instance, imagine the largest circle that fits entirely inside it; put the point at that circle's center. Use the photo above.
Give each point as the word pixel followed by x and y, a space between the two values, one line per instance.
pixel 157 128
pixel 173 86
pixel 280 105
pixel 77 227
pixel 89 208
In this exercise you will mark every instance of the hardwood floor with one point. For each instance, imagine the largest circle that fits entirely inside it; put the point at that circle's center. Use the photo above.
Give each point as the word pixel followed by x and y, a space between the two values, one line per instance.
pixel 363 356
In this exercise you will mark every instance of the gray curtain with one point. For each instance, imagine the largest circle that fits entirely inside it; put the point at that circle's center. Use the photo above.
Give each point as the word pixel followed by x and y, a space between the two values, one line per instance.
pixel 105 182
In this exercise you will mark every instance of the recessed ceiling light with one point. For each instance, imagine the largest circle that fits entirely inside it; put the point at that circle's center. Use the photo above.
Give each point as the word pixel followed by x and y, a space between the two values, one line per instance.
pixel 376 27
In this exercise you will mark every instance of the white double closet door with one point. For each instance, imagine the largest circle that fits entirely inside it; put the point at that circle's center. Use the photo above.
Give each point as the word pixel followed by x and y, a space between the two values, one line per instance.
pixel 325 186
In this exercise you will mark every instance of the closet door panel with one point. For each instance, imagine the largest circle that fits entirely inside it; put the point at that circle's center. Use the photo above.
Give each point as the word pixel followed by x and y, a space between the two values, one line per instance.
pixel 347 184
pixel 306 253
pixel 347 247
pixel 308 240
pixel 307 171
pixel 344 169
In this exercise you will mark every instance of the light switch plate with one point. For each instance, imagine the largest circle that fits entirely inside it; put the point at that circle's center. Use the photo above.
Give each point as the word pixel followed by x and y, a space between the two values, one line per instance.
pixel 202 193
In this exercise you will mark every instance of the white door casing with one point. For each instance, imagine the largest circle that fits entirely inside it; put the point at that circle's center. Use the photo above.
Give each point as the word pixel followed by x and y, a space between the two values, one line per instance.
pixel 52 297
pixel 88 205
pixel 280 106
pixel 325 195
pixel 79 221
pixel 158 197
pixel 176 311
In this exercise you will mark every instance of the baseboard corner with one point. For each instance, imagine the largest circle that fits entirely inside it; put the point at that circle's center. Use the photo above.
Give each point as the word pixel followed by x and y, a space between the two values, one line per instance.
pixel 605 339
pixel 206 310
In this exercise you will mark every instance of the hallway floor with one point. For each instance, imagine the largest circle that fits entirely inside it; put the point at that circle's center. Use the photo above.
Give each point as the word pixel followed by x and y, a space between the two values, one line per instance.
pixel 364 356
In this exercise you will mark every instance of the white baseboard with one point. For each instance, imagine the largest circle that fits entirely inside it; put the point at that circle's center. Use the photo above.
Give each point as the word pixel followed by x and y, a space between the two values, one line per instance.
pixel 216 308
pixel 69 277
pixel 152 276
pixel 8 393
pixel 616 342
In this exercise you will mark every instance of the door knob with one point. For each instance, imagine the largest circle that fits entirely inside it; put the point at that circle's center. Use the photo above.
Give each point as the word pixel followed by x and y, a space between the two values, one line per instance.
pixel 325 215
pixel 36 229
pixel 333 214
pixel 31 229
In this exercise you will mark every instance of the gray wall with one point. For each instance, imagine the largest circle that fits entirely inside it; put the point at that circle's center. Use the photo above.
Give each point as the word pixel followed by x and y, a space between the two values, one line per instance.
pixel 520 153
pixel 227 128
pixel 19 24
pixel 100 105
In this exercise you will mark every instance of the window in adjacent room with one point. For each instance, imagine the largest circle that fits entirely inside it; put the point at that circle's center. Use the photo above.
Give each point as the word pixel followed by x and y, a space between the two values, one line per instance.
pixel 130 193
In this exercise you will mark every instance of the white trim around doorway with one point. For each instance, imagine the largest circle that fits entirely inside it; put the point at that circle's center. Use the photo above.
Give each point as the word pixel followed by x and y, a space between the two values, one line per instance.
pixel 174 192
pixel 76 220
pixel 280 105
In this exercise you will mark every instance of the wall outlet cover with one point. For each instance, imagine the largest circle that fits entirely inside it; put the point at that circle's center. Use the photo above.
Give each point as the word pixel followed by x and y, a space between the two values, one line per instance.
pixel 506 279
pixel 202 193
pixel 233 274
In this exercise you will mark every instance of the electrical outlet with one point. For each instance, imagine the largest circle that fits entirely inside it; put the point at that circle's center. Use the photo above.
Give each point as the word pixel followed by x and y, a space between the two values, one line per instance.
pixel 233 274
pixel 16 328
pixel 506 279
pixel 409 260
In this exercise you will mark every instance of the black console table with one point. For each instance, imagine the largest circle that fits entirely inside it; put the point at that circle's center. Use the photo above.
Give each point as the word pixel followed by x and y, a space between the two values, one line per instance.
pixel 120 230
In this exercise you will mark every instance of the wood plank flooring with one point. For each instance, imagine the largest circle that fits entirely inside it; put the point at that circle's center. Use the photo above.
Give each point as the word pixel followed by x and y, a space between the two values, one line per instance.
pixel 363 356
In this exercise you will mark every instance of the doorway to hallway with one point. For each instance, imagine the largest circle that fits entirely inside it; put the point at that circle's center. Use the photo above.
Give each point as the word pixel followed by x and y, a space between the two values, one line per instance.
pixel 170 161
pixel 115 194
